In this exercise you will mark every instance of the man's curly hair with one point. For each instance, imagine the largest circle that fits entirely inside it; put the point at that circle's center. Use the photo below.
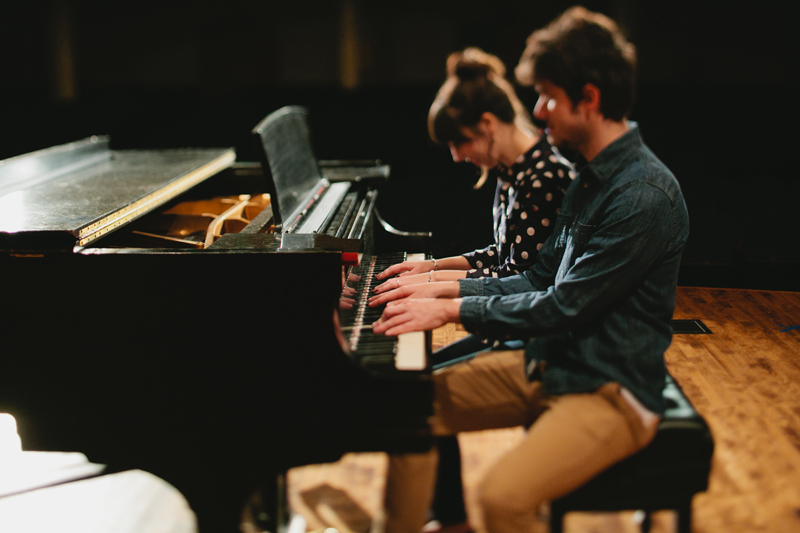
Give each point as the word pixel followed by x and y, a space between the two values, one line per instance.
pixel 581 47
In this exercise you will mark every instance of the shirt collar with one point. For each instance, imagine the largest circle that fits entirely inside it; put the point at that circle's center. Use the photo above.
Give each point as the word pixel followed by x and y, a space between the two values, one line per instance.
pixel 604 165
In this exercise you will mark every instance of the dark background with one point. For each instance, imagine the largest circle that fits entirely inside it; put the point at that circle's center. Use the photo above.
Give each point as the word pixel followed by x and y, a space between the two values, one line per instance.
pixel 716 99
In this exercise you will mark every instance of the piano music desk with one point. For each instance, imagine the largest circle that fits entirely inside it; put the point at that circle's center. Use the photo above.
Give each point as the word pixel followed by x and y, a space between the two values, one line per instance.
pixel 743 378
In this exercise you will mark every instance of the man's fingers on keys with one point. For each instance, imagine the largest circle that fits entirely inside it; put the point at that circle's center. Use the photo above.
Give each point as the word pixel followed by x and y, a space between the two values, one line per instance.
pixel 393 308
pixel 388 321
pixel 404 323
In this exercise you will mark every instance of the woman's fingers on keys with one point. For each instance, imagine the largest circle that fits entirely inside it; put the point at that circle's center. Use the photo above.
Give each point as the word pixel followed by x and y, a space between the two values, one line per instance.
pixel 391 271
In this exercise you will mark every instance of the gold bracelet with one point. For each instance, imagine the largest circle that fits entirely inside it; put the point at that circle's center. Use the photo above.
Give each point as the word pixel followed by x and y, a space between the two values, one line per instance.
pixel 430 273
pixel 435 264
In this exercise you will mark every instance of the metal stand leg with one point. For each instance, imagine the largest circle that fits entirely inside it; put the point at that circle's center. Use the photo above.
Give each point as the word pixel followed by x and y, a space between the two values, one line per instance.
pixel 647 522
pixel 556 522
pixel 685 517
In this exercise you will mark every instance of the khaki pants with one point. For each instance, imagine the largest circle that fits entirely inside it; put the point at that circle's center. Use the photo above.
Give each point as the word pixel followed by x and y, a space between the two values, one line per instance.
pixel 571 439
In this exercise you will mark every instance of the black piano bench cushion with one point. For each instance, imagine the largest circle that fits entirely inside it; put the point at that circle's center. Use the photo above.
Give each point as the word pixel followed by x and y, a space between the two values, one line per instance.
pixel 665 475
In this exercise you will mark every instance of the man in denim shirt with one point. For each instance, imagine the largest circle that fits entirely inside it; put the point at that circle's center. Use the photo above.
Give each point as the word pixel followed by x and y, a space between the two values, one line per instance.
pixel 594 312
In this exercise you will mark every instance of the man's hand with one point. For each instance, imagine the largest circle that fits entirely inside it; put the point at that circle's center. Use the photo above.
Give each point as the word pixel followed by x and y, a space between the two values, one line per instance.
pixel 407 315
pixel 442 289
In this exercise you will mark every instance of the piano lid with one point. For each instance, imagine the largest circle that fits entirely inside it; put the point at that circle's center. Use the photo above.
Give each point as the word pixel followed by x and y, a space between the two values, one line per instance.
pixel 75 193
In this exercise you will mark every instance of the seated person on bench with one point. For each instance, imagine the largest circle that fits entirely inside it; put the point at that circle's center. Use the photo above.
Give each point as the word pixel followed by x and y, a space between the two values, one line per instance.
pixel 594 311
pixel 477 114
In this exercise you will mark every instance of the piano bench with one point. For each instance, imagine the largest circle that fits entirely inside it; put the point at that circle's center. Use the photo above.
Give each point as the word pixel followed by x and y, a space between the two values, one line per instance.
pixel 664 475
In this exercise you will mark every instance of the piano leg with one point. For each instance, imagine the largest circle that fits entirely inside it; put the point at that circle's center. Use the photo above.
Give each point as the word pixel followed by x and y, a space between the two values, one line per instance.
pixel 268 508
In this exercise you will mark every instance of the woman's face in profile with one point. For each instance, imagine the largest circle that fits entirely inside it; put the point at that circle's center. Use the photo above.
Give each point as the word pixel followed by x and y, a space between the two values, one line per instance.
pixel 476 149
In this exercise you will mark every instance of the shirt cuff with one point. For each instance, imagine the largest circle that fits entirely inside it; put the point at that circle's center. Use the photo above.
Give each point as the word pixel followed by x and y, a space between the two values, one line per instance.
pixel 471 313
pixel 470 287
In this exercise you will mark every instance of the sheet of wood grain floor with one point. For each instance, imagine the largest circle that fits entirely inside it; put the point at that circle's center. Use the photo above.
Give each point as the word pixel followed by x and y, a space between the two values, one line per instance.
pixel 744 378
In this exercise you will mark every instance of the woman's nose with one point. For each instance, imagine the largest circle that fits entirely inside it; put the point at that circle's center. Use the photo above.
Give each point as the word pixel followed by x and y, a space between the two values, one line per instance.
pixel 540 109
pixel 455 153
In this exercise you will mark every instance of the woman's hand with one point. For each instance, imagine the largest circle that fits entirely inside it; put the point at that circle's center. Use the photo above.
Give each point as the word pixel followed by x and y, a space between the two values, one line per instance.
pixel 444 289
pixel 400 281
pixel 406 268
pixel 409 315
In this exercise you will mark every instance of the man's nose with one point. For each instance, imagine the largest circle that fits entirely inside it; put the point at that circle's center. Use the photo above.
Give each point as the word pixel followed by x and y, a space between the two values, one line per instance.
pixel 455 153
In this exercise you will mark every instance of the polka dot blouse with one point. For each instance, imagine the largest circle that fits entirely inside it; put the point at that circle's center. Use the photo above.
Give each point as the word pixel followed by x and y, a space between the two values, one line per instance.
pixel 526 202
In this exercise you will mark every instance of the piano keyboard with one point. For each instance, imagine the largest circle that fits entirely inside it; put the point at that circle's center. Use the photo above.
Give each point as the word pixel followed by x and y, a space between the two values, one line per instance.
pixel 406 352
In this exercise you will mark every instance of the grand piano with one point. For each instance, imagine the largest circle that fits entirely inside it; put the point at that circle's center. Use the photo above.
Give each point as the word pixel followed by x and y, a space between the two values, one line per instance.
pixel 202 319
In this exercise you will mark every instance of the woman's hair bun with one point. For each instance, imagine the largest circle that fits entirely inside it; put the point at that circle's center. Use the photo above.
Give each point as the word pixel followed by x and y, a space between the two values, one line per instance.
pixel 474 63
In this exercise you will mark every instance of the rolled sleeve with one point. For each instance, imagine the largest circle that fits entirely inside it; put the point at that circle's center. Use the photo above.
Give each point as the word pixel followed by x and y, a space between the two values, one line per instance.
pixel 496 286
pixel 471 313
pixel 470 287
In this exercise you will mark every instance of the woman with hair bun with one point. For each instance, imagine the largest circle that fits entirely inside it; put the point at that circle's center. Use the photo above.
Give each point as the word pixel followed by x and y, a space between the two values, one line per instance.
pixel 477 114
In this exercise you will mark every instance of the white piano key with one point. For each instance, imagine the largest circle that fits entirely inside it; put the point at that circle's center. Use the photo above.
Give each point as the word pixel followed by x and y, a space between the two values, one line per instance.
pixel 411 353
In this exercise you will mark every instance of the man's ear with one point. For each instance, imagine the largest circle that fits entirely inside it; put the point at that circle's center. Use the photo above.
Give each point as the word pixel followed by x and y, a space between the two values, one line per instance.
pixel 591 97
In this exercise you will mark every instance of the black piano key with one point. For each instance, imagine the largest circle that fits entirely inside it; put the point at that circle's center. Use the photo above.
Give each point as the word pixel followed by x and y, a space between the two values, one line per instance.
pixel 361 355
pixel 370 344
pixel 370 349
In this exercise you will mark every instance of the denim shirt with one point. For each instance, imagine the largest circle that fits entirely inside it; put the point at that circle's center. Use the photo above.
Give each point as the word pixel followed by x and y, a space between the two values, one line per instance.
pixel 596 307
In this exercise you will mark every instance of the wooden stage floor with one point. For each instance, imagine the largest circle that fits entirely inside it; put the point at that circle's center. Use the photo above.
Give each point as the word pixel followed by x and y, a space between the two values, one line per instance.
pixel 744 378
